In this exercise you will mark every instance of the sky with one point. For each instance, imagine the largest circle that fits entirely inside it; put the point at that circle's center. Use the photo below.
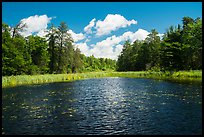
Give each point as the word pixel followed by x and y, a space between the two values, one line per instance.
pixel 100 28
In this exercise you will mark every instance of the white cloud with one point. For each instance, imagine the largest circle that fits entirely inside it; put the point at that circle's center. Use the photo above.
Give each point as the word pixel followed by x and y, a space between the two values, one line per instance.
pixel 75 36
pixel 108 51
pixel 160 35
pixel 111 46
pixel 83 48
pixel 42 33
pixel 35 24
pixel 112 22
pixel 87 40
pixel 118 49
pixel 140 34
pixel 25 33
pixel 88 28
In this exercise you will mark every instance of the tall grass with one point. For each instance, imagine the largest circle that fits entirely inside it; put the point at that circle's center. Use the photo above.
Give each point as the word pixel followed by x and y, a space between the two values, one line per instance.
pixel 180 76
pixel 10 81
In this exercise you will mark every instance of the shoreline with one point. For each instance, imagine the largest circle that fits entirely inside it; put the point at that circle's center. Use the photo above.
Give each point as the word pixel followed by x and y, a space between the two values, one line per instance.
pixel 179 76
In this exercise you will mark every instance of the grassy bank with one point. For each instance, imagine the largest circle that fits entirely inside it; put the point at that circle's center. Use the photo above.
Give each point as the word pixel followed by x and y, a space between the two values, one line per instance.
pixel 180 76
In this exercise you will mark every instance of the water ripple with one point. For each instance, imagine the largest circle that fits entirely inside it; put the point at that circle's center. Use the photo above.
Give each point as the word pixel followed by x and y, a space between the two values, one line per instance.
pixel 106 106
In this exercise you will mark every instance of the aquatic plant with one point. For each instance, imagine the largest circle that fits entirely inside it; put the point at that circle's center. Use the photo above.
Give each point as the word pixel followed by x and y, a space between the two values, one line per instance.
pixel 179 76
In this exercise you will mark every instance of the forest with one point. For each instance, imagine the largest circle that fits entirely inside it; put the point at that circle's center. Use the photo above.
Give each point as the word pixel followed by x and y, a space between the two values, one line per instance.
pixel 54 54
pixel 179 49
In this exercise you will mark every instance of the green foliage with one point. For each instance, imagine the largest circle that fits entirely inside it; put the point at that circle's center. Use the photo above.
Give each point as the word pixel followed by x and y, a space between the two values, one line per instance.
pixel 180 49
pixel 15 59
pixel 63 40
pixel 141 55
pixel 91 64
pixel 38 52
pixel 36 55
pixel 180 76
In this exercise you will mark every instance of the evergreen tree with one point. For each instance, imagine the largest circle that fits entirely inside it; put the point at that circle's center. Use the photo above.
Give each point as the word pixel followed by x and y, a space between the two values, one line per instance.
pixel 64 38
pixel 52 49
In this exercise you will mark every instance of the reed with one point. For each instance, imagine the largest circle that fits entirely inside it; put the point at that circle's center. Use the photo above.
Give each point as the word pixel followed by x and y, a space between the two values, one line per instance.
pixel 180 76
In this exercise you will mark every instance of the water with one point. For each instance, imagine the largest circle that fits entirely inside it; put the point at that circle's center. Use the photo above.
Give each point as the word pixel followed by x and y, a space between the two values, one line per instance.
pixel 104 106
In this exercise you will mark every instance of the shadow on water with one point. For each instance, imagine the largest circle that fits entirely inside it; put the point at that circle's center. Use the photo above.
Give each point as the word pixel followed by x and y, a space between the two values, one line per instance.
pixel 103 106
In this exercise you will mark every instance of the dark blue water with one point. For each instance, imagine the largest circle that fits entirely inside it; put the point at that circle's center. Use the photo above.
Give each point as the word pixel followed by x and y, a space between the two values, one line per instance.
pixel 103 106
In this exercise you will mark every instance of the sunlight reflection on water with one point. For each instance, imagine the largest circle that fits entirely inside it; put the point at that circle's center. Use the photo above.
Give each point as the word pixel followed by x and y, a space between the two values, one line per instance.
pixel 103 106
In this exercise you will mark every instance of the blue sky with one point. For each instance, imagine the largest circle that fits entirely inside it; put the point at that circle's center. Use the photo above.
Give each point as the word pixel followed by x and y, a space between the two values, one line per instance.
pixel 144 16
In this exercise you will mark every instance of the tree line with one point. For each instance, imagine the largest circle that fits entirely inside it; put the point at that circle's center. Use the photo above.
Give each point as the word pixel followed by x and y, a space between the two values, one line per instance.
pixel 179 49
pixel 54 54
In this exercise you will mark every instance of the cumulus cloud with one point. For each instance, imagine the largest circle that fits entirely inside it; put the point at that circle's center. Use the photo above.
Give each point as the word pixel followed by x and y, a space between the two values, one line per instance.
pixel 88 28
pixel 83 48
pixel 140 34
pixel 111 23
pixel 111 46
pixel 42 33
pixel 35 24
pixel 75 36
